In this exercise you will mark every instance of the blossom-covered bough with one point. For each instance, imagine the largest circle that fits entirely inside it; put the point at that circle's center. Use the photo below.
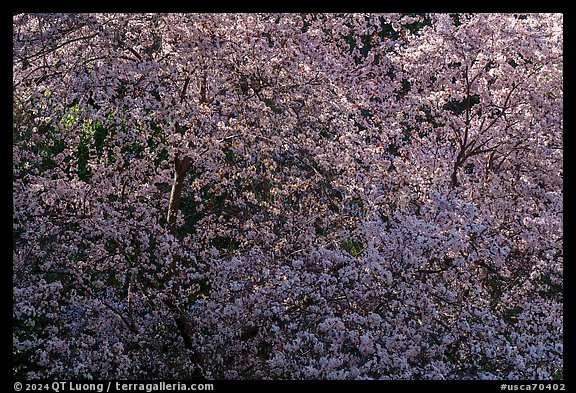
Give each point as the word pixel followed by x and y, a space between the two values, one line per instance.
pixel 288 196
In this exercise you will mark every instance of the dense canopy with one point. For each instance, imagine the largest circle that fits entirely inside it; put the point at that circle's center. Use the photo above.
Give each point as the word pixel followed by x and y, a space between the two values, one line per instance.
pixel 288 196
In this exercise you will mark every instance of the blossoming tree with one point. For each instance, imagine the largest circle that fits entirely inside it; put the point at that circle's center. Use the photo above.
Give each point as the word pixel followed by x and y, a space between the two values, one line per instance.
pixel 287 196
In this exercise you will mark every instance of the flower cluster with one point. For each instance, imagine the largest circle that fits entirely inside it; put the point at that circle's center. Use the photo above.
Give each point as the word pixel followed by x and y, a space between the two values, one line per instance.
pixel 288 196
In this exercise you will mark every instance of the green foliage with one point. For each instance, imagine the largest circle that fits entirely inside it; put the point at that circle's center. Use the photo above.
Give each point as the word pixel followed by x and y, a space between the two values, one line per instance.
pixel 558 376
pixel 510 315
pixel 49 148
pixel 225 243
pixel 386 32
pixel 157 136
pixel 231 157
pixel 494 287
pixel 469 168
pixel 272 105
pixel 415 27
pixel 83 156
pixel 486 364
pixel 352 247
pixel 456 19
pixel 99 133
pixel 551 289
pixel 404 89
pixel 97 142
pixel 458 107
pixel 513 63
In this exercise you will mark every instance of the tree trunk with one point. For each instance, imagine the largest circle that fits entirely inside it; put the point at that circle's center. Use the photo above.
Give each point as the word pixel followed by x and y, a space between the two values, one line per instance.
pixel 454 176
pixel 457 164
pixel 180 169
